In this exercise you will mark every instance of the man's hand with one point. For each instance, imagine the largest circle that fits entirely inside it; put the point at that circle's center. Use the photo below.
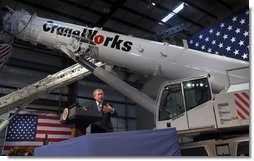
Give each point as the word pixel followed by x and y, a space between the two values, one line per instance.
pixel 107 108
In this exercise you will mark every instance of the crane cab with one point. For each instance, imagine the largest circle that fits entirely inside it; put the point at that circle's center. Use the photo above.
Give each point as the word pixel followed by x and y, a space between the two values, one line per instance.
pixel 179 102
pixel 189 105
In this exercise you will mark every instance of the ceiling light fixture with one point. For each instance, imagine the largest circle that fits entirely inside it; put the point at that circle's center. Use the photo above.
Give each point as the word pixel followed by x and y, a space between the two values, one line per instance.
pixel 175 11
pixel 151 3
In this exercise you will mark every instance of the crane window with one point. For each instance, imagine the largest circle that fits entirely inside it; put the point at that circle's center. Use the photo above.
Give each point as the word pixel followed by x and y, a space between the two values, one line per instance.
pixel 171 104
pixel 194 151
pixel 243 148
pixel 222 150
pixel 196 92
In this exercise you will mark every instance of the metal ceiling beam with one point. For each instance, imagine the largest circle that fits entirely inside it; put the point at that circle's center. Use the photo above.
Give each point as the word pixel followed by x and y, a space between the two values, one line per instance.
pixel 200 9
pixel 102 14
pixel 35 5
pixel 225 5
pixel 177 14
pixel 113 8
pixel 145 16
pixel 28 3
pixel 139 13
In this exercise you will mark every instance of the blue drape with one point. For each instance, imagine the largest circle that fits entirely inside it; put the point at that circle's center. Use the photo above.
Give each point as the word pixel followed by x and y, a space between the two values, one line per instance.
pixel 162 142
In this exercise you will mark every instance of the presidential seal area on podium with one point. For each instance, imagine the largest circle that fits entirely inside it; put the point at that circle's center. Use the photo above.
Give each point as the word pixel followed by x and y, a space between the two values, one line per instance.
pixel 78 119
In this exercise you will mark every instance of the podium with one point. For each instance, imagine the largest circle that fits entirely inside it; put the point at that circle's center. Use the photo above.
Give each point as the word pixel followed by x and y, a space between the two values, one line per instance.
pixel 78 119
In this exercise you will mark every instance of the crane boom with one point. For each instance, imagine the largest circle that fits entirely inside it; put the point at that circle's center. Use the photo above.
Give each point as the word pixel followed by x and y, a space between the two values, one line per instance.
pixel 148 57
pixel 26 95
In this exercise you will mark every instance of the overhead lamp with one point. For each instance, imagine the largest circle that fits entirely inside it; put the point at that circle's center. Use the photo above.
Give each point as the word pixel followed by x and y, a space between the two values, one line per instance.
pixel 175 11
pixel 151 3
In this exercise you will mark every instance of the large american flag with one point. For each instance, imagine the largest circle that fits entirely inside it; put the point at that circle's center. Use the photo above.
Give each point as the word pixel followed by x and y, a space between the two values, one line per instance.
pixel 229 37
pixel 30 130
pixel 5 53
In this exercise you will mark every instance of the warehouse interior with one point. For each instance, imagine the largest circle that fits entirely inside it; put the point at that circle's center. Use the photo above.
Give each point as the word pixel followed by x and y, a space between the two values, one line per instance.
pixel 30 63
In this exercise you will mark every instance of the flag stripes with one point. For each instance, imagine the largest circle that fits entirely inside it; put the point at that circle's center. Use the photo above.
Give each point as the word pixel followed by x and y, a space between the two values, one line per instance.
pixel 30 130
pixel 5 52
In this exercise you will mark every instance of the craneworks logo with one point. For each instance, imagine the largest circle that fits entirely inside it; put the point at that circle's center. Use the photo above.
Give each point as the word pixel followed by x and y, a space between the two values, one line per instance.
pixel 112 42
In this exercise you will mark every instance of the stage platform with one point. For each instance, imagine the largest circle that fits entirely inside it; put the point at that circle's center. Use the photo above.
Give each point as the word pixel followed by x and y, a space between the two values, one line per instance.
pixel 162 142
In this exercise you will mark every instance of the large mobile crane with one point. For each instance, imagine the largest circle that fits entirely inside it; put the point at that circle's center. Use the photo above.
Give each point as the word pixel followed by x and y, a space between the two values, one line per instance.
pixel 187 103
pixel 218 124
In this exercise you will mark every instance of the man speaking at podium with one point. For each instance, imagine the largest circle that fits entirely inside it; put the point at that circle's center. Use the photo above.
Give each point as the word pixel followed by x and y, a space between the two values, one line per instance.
pixel 104 109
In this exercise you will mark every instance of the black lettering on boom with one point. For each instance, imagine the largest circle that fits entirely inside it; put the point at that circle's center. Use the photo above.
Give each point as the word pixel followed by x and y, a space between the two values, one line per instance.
pixel 113 42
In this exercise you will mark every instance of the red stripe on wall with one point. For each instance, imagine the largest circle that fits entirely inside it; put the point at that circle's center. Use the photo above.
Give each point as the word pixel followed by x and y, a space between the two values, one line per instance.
pixel 53 132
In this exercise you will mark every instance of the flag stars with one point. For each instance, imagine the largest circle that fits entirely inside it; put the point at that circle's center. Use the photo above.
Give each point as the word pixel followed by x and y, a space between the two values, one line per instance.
pixel 200 36
pixel 242 21
pixel 246 33
pixel 236 52
pixel 222 25
pixel 225 36
pixel 247 12
pixel 244 56
pixel 191 42
pixel 232 39
pixel 229 37
pixel 230 28
pixel 234 19
pixel 238 30
pixel 241 43
pixel 228 48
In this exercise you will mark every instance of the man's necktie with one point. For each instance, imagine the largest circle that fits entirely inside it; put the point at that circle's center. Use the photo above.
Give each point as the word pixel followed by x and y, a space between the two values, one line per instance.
pixel 100 107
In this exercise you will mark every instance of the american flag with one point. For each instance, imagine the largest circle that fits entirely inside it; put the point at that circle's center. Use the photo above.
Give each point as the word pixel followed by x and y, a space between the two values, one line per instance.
pixel 229 37
pixel 30 130
pixel 5 53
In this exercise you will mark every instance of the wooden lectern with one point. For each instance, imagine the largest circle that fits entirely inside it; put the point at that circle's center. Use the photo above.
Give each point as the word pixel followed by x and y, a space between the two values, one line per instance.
pixel 78 119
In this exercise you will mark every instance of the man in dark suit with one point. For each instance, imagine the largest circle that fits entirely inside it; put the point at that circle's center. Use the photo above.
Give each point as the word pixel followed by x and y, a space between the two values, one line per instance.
pixel 104 109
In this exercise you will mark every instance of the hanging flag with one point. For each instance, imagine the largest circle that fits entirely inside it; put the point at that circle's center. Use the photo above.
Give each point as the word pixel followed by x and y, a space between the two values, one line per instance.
pixel 30 130
pixel 5 53
pixel 229 37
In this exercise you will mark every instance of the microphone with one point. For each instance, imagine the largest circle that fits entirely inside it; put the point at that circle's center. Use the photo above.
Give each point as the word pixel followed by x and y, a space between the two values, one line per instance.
pixel 75 104
pixel 106 103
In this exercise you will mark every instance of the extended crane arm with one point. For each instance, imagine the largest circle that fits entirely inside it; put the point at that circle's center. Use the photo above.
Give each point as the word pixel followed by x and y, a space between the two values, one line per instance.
pixel 26 95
